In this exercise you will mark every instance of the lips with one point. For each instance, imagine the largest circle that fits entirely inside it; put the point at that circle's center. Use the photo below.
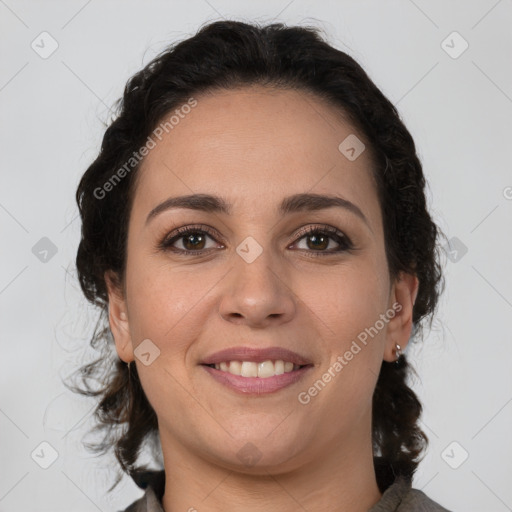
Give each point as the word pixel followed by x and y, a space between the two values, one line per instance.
pixel 255 386
pixel 256 355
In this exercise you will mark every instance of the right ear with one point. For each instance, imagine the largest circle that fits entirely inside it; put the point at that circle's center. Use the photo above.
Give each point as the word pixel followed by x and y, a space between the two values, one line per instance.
pixel 118 317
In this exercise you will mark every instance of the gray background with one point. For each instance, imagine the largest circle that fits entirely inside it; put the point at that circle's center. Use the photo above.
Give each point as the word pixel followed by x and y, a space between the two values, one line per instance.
pixel 459 111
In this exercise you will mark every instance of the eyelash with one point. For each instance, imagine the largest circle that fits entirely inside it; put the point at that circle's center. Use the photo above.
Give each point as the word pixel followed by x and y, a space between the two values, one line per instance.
pixel 346 244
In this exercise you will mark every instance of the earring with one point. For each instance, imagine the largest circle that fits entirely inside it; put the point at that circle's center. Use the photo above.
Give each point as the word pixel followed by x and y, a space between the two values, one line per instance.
pixel 398 352
pixel 129 368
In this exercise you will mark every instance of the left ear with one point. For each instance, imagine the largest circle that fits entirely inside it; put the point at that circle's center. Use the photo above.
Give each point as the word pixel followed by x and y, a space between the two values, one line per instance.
pixel 402 298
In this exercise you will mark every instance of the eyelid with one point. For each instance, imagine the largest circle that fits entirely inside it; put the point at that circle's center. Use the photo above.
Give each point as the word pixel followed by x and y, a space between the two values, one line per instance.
pixel 183 230
pixel 324 228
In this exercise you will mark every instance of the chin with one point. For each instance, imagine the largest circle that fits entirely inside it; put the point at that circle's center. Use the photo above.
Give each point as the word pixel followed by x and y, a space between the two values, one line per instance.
pixel 258 455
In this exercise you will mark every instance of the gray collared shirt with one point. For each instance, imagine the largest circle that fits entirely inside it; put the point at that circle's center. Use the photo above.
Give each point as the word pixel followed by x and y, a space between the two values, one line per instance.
pixel 399 497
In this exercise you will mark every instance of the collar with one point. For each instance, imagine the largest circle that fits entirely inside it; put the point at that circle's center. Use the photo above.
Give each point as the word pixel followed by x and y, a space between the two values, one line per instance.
pixel 153 482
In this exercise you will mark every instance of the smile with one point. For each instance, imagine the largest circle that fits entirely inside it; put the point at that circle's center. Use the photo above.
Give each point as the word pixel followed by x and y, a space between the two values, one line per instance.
pixel 249 377
pixel 262 370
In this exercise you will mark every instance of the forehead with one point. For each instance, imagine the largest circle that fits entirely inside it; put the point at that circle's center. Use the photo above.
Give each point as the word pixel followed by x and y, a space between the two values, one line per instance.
pixel 256 145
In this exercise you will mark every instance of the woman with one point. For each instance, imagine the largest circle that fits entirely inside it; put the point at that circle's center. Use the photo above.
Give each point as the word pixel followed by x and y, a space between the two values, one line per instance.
pixel 255 229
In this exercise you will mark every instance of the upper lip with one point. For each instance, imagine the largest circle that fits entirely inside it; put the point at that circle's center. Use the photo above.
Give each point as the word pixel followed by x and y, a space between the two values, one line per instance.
pixel 256 355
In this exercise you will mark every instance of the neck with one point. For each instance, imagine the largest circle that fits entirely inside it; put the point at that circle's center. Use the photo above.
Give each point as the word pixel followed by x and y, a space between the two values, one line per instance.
pixel 340 480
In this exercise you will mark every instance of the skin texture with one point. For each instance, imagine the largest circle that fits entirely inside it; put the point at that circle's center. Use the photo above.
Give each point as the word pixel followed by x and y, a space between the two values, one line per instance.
pixel 254 146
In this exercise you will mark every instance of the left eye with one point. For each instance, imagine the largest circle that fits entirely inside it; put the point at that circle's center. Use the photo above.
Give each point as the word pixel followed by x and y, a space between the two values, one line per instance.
pixel 318 238
pixel 319 241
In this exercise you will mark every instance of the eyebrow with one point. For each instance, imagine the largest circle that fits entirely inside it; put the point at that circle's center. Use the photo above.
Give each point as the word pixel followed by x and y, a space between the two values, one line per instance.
pixel 291 204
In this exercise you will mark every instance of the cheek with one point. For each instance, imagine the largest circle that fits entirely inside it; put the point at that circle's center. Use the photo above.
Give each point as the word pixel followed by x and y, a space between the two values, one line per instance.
pixel 165 307
pixel 352 331
pixel 347 299
pixel 163 304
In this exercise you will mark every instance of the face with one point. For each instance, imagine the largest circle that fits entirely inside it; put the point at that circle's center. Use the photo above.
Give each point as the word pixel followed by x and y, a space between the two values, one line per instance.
pixel 254 278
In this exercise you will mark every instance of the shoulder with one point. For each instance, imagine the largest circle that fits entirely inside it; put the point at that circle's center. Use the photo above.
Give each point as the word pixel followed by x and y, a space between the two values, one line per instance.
pixel 137 506
pixel 153 482
pixel 400 497
pixel 418 501
pixel 147 503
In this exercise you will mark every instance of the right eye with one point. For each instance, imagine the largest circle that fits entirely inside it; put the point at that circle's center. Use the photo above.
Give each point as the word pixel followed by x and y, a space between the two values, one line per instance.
pixel 192 239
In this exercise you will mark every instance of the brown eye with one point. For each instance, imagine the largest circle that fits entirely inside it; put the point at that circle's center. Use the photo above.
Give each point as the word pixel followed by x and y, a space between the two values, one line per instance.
pixel 319 239
pixel 192 240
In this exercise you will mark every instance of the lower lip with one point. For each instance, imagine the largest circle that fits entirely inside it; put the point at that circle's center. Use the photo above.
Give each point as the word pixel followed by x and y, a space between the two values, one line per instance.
pixel 256 385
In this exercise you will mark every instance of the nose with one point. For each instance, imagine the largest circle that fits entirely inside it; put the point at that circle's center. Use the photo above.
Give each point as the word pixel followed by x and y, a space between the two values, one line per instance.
pixel 258 294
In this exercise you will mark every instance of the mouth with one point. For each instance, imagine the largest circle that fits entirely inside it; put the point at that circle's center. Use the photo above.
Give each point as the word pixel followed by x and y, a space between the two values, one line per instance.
pixel 263 370
pixel 257 385
pixel 256 371
pixel 256 355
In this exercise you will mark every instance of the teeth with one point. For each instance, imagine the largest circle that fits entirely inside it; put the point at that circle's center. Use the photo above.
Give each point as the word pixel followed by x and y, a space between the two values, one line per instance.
pixel 262 370
pixel 265 369
pixel 249 369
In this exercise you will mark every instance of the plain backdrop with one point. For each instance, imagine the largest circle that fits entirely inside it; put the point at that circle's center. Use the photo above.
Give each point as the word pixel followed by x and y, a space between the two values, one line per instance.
pixel 456 102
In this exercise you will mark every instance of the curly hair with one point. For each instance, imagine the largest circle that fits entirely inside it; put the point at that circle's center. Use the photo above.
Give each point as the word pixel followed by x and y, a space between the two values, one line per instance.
pixel 226 55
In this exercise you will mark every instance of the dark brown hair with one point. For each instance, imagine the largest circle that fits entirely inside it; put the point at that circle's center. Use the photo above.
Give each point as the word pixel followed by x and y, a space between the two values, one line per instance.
pixel 226 55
